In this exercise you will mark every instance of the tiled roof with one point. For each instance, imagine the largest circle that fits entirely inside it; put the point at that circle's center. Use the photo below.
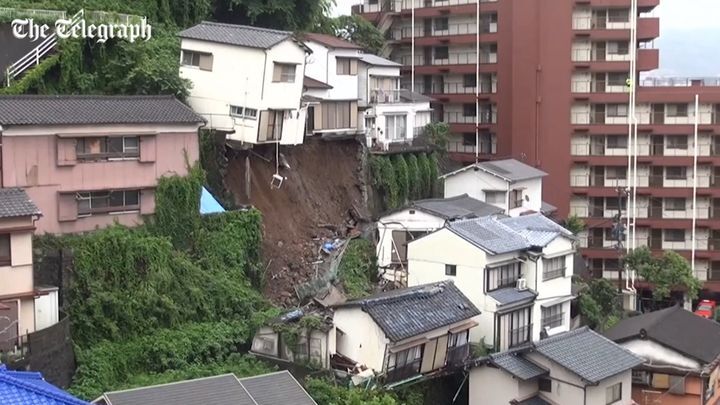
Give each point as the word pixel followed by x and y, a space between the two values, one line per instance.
pixel 462 206
pixel 311 83
pixel 537 229
pixel 375 60
pixel 330 41
pixel 232 34
pixel 514 363
pixel 670 327
pixel 511 170
pixel 511 296
pixel 268 389
pixel 81 110
pixel 589 355
pixel 488 234
pixel 14 202
pixel 412 311
pixel 29 388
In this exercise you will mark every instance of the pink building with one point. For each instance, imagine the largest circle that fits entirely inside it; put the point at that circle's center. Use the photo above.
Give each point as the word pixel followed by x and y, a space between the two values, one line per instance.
pixel 88 161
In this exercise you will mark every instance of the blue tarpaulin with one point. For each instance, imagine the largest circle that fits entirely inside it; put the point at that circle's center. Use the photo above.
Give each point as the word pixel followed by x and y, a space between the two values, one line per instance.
pixel 208 203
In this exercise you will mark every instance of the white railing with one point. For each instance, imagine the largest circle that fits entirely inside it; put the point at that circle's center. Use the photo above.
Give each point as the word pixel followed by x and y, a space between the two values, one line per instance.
pixel 43 14
pixel 680 81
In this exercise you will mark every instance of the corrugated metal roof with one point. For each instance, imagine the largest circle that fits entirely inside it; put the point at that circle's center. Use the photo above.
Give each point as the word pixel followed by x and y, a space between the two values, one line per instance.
pixel 14 202
pixel 82 110
pixel 232 34
pixel 462 206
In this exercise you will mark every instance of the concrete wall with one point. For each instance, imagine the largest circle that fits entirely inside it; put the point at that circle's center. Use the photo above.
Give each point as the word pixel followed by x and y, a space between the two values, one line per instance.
pixel 361 339
pixel 31 161
pixel 419 221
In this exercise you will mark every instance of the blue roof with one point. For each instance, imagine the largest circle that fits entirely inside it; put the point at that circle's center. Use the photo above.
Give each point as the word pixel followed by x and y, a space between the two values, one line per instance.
pixel 29 388
pixel 208 203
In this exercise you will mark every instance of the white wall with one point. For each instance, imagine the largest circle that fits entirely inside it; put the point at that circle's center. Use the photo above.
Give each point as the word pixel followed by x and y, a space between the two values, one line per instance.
pixel 565 384
pixel 362 341
pixel 596 394
pixel 552 289
pixel 416 114
pixel 322 66
pixel 533 190
pixel 473 182
pixel 46 309
pixel 491 386
pixel 402 221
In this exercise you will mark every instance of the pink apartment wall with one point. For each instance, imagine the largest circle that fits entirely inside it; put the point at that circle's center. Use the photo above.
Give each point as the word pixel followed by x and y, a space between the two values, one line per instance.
pixel 36 160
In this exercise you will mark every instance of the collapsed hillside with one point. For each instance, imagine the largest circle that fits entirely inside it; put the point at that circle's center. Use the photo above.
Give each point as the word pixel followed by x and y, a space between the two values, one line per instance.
pixel 321 199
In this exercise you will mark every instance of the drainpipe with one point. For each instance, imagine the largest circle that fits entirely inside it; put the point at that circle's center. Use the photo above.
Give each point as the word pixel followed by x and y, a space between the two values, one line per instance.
pixel 585 395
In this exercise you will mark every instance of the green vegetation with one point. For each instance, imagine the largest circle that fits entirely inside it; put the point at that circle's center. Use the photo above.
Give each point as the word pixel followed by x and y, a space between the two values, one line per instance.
pixel 214 161
pixel 574 224
pixel 358 269
pixel 433 170
pixel 666 273
pixel 438 134
pixel 401 176
pixel 354 29
pixel 600 304
pixel 384 181
pixel 425 173
pixel 414 180
pixel 327 393
pixel 413 176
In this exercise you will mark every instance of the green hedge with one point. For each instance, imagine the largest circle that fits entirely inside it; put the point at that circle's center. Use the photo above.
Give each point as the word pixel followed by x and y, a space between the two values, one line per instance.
pixel 358 269
pixel 404 177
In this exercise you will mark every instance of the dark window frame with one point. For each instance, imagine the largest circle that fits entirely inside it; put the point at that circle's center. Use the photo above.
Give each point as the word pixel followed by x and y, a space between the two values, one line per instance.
pixel 106 145
pixel 104 200
pixel 445 54
pixel 507 276
pixel 516 198
pixel 553 316
pixel 555 272
pixel 6 238
pixel 451 270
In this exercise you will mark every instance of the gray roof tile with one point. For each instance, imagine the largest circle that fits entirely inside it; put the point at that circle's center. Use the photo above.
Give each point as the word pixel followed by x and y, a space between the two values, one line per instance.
pixel 511 170
pixel 670 327
pixel 88 110
pixel 512 296
pixel 232 34
pixel 14 202
pixel 412 311
pixel 537 229
pixel 276 389
pixel 571 350
pixel 489 234
pixel 462 206
pixel 514 363
pixel 375 60
pixel 536 400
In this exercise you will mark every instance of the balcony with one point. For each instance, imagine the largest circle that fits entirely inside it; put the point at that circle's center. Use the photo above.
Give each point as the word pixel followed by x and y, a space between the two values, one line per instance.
pixel 385 96
pixel 464 58
pixel 648 59
pixel 456 356
pixel 648 28
pixel 459 146
pixel 460 88
pixel 401 373
pixel 486 117
pixel 680 82
pixel 598 86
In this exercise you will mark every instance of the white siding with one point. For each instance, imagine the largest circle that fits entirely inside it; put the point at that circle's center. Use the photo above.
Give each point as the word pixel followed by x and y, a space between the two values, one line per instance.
pixel 322 66
pixel 362 340
pixel 475 183
pixel 402 221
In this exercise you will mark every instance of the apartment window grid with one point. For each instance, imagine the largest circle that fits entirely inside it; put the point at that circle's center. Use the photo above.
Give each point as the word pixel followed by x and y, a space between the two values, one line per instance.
pixel 105 202
pixel 674 235
pixel 502 276
pixel 676 142
pixel 676 110
pixel 676 173
pixel 553 268
pixel 616 173
pixel 442 24
pixel 552 317
pixel 617 142
pixel 618 47
pixel 617 79
pixel 675 204
pixel 617 110
pixel 618 15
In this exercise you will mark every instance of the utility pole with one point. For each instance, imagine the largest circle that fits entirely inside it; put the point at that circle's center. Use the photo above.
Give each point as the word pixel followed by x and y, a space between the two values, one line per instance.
pixel 618 234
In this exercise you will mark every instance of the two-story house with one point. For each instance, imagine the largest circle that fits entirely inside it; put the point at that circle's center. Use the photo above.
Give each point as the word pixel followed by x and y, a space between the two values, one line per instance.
pixel 24 307
pixel 90 161
pixel 509 184
pixel 404 335
pixel 516 270
pixel 396 228
pixel 681 353
pixel 579 367
pixel 246 81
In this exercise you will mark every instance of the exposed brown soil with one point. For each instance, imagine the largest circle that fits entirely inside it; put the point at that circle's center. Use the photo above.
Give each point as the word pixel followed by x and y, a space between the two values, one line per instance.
pixel 314 204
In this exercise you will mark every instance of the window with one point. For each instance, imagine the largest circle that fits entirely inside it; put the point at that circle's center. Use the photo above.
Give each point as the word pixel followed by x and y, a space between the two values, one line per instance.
pixel 516 199
pixel 345 66
pixel 620 15
pixel 271 125
pixel 675 204
pixel 676 173
pixel 552 317
pixel 616 173
pixel 442 52
pixel 458 339
pixel 495 197
pixel 553 268
pixel 441 24
pixel 640 377
pixel 676 142
pixel 615 204
pixel 618 48
pixel 544 385
pixel 677 110
pixel 617 110
pixel 677 385
pixel 469 139
pixel 405 358
pixel 284 73
pixel 336 114
pixel 501 276
pixel 613 393
pixel 5 256
pixel 196 59
pixel 469 80
pixel 103 202
pixel 469 110
pixel 520 326
pixel 450 270
pixel 107 148
pixel 395 127
pixel 243 112
pixel 674 235
pixel 617 79
pixel 617 142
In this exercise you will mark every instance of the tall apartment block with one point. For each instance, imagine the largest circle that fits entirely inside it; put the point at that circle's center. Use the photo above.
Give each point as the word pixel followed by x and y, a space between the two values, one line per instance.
pixel 553 93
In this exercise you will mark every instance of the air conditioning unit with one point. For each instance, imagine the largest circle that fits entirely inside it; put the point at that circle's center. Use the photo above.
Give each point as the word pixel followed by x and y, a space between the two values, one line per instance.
pixel 522 284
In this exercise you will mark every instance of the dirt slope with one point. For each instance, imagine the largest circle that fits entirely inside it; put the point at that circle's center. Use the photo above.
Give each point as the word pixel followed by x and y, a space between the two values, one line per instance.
pixel 322 186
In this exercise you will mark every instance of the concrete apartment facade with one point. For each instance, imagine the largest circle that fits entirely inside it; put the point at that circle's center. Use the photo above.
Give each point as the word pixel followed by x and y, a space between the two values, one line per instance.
pixel 90 161
pixel 553 92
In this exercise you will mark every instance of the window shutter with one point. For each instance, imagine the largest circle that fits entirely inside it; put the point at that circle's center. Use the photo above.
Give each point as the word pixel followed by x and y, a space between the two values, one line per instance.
pixel 206 61
pixel 147 148
pixel 66 154
pixel 67 207
pixel 147 201
pixel 277 73
pixel 353 66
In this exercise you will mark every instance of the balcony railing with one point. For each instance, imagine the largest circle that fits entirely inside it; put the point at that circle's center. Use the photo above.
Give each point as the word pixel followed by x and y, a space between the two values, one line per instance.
pixel 598 23
pixel 680 81
pixel 595 86
pixel 486 117
pixel 456 356
pixel 403 372
pixel 486 148
pixel 383 96
pixel 520 335
pixel 465 58
pixel 450 29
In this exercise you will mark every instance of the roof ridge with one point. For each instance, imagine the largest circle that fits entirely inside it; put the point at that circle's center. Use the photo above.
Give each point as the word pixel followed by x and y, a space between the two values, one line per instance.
pixel 89 96
pixel 251 27
pixel 403 293
pixel 68 399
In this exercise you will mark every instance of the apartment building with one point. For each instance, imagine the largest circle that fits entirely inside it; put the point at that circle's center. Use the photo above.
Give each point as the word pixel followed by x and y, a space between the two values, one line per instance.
pixel 553 87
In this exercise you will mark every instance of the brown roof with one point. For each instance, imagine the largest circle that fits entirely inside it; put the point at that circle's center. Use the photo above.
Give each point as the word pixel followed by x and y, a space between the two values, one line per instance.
pixel 311 83
pixel 331 41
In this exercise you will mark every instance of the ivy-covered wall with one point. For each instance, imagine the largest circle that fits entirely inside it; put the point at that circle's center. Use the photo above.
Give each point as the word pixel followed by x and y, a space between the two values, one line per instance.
pixel 404 177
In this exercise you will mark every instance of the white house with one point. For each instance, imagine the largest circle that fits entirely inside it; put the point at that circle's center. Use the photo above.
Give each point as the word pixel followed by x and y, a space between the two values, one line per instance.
pixel 418 218
pixel 406 334
pixel 246 81
pixel 392 115
pixel 509 184
pixel 517 271
pixel 579 367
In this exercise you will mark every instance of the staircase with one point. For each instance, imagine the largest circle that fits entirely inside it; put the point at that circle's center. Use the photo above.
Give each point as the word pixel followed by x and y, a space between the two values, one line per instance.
pixel 33 58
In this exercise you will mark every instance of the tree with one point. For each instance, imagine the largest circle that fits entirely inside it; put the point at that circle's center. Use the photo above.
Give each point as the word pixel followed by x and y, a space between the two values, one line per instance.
pixel 424 169
pixel 401 173
pixel 666 273
pixel 599 304
pixel 438 133
pixel 355 29
pixel 414 179
pixel 574 224
pixel 289 15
